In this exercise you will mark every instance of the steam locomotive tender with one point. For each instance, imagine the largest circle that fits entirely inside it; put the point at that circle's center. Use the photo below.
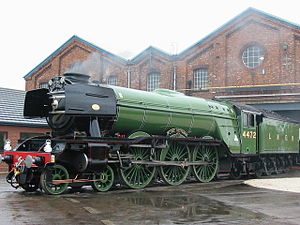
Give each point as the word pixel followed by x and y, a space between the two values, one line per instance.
pixel 105 134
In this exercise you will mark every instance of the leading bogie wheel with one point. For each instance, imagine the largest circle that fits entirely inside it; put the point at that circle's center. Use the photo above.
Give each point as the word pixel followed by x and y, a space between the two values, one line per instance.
pixel 56 172
pixel 30 187
pixel 209 155
pixel 103 179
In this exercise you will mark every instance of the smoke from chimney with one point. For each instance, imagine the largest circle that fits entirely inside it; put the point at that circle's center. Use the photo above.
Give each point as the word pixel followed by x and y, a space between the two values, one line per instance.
pixel 91 66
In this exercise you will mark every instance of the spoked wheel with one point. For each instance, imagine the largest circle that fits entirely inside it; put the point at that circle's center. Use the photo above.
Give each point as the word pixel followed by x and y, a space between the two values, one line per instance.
pixel 57 172
pixel 268 166
pixel 208 154
pixel 175 175
pixel 29 187
pixel 285 164
pixel 275 165
pixel 280 164
pixel 236 171
pixel 235 174
pixel 259 169
pixel 105 179
pixel 138 175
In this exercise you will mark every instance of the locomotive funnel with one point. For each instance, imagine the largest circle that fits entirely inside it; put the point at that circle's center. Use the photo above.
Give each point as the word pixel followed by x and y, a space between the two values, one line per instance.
pixel 77 77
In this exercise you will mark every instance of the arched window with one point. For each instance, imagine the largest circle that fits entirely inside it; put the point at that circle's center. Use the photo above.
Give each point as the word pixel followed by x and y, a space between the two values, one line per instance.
pixel 112 80
pixel 200 78
pixel 253 56
pixel 153 81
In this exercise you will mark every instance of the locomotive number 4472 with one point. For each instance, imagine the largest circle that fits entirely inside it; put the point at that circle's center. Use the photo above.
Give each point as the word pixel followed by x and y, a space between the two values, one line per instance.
pixel 249 134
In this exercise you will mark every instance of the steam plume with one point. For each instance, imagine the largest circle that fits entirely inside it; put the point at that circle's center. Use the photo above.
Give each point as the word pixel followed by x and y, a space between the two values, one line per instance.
pixel 91 66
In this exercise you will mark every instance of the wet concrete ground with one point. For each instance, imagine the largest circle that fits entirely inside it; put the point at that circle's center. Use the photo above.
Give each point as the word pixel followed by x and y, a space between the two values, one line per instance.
pixel 221 202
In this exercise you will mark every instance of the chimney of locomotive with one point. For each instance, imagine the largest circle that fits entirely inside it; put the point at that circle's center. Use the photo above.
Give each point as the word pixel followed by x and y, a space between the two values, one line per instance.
pixel 77 77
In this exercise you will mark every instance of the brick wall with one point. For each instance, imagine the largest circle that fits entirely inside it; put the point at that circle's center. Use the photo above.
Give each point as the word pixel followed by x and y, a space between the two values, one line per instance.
pixel 14 132
pixel 3 168
pixel 221 55
pixel 82 58
pixel 152 62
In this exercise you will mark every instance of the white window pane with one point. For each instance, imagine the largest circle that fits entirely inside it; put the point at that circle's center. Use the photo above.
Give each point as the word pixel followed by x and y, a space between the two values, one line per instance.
pixel 112 80
pixel 200 78
pixel 253 56
pixel 43 85
pixel 153 81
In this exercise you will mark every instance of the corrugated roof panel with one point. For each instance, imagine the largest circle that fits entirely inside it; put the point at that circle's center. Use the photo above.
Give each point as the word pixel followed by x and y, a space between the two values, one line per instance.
pixel 11 109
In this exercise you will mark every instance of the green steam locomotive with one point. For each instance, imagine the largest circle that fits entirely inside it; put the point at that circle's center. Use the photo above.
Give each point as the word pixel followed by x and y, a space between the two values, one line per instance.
pixel 103 135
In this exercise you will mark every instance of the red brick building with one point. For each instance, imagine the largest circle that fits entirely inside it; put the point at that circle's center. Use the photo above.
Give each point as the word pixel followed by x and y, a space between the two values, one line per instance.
pixel 254 58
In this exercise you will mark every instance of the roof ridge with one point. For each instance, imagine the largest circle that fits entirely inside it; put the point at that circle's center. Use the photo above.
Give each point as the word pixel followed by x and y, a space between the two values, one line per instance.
pixel 74 37
pixel 212 34
pixel 150 48
pixel 289 23
pixel 240 15
pixel 100 49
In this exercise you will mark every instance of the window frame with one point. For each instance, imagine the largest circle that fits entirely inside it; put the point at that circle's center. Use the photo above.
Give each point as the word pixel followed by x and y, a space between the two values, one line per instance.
pixel 115 83
pixel 43 85
pixel 254 64
pixel 31 134
pixel 249 119
pixel 156 81
pixel 200 82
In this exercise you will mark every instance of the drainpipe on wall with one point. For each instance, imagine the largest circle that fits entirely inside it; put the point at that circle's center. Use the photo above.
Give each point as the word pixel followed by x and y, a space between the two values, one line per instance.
pixel 128 76
pixel 174 75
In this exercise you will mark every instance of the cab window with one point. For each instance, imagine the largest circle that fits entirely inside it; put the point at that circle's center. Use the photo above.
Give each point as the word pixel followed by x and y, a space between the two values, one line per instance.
pixel 248 120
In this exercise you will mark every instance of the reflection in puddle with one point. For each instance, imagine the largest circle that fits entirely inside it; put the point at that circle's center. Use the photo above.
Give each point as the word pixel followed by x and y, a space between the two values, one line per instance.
pixel 189 209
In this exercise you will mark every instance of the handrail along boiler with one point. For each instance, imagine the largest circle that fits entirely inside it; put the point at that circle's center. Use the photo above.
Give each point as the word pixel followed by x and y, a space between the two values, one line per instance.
pixel 103 135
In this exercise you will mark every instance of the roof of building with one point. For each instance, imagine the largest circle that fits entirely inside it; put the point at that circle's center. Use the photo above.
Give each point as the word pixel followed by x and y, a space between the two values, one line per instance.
pixel 11 110
pixel 236 18
pixel 73 38
pixel 150 49
pixel 153 49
